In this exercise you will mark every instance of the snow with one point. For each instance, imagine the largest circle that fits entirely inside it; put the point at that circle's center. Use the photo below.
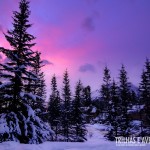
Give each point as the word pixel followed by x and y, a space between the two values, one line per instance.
pixel 134 88
pixel 136 108
pixel 3 124
pixel 95 94
pixel 31 95
pixel 94 110
pixel 68 146
pixel 7 96
pixel 95 141
pixel 136 123
pixel 5 85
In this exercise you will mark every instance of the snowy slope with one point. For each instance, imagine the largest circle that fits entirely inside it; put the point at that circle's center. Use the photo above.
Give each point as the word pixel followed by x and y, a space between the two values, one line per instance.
pixel 95 141
pixel 95 94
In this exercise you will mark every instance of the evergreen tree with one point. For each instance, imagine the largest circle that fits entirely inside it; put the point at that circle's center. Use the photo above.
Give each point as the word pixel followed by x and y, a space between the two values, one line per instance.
pixel 145 95
pixel 125 101
pixel 20 122
pixel 39 88
pixel 114 115
pixel 77 115
pixel 2 93
pixel 105 91
pixel 134 98
pixel 87 100
pixel 87 103
pixel 66 114
pixel 54 108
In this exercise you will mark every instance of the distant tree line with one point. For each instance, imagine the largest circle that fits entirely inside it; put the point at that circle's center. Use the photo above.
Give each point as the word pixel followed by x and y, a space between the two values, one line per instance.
pixel 121 106
pixel 66 111
pixel 127 110
pixel 25 118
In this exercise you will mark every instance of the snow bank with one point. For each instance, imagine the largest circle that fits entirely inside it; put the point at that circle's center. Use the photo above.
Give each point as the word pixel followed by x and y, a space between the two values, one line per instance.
pixel 95 141
pixel 3 124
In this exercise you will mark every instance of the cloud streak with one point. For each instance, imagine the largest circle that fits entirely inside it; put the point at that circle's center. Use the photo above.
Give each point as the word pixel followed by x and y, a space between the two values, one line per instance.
pixel 46 62
pixel 88 24
pixel 87 68
pixel 1 28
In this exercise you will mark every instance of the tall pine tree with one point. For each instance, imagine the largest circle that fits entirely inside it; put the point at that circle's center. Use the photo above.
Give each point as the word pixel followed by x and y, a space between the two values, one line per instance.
pixel 20 122
pixel 125 101
pixel 54 108
pixel 39 88
pixel 87 103
pixel 145 96
pixel 105 91
pixel 114 116
pixel 2 93
pixel 87 100
pixel 78 119
pixel 66 114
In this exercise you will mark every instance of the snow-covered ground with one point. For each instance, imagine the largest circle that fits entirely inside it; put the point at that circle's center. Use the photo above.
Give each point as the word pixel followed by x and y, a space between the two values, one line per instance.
pixel 95 141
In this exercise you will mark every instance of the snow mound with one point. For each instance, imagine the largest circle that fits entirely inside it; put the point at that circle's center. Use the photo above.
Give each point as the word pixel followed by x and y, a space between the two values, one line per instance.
pixel 96 141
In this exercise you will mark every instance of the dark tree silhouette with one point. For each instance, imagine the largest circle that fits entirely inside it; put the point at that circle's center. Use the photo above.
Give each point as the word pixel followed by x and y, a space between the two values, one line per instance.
pixel 54 108
pixel 66 114
pixel 145 96
pixel 78 119
pixel 87 100
pixel 125 102
pixel 105 92
pixel 22 124
pixel 39 88
pixel 114 116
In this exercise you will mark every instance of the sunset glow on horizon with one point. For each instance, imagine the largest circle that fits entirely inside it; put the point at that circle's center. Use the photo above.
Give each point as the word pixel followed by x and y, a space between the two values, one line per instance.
pixel 85 35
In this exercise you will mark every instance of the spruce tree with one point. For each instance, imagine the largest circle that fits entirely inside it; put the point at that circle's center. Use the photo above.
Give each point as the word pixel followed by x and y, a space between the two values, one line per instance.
pixel 2 93
pixel 114 113
pixel 40 83
pixel 66 114
pixel 54 108
pixel 87 106
pixel 87 100
pixel 78 119
pixel 105 92
pixel 145 96
pixel 125 101
pixel 20 122
pixel 39 88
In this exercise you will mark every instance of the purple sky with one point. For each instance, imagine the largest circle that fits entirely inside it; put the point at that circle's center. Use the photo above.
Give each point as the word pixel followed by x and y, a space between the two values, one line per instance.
pixel 85 35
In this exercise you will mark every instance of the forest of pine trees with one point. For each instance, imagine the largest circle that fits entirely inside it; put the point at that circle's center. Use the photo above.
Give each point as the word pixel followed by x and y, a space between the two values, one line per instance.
pixel 24 115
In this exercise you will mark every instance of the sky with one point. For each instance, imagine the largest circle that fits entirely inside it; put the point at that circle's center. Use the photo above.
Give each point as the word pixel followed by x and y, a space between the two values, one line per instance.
pixel 83 36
